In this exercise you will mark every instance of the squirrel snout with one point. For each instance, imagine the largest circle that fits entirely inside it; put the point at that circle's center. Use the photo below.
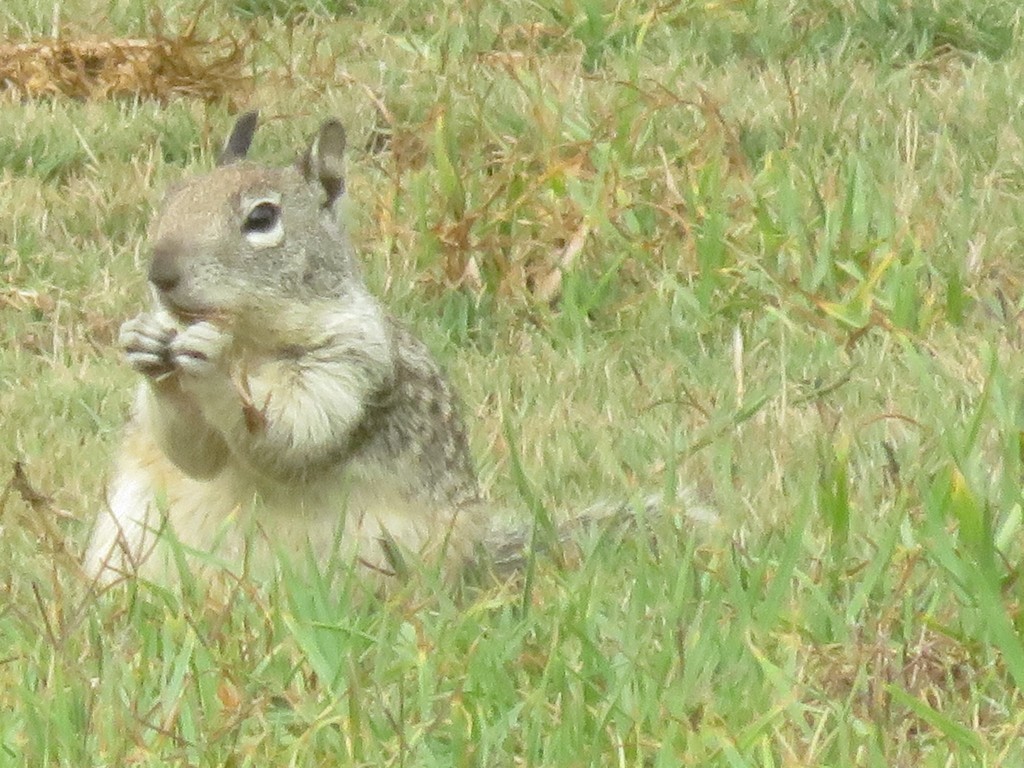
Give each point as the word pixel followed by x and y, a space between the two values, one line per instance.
pixel 164 272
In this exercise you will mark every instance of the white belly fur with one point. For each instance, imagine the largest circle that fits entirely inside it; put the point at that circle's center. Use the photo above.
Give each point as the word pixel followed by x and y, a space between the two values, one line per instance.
pixel 150 501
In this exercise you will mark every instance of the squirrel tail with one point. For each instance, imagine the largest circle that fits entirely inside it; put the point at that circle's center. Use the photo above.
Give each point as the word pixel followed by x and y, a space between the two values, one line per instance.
pixel 510 547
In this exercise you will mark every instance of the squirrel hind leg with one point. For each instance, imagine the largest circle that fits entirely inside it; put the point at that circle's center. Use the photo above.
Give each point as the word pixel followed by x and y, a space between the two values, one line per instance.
pixel 125 532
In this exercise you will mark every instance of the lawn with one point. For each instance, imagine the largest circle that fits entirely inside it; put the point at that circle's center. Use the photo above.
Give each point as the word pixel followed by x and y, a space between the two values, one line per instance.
pixel 764 254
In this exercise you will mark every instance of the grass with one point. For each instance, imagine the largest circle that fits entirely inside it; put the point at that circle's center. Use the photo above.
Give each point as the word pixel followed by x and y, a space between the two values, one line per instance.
pixel 766 250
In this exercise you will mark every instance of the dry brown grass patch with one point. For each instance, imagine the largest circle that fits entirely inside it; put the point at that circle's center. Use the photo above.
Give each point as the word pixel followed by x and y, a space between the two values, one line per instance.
pixel 161 67
pixel 929 665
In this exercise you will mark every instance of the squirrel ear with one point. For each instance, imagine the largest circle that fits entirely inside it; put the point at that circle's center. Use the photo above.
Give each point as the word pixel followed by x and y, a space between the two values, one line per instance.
pixel 238 142
pixel 322 161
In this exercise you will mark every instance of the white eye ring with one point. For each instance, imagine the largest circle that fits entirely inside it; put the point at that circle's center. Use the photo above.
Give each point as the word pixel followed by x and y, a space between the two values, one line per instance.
pixel 262 225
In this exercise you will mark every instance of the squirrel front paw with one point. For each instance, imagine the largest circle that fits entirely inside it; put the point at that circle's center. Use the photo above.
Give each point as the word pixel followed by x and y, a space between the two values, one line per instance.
pixel 199 349
pixel 145 340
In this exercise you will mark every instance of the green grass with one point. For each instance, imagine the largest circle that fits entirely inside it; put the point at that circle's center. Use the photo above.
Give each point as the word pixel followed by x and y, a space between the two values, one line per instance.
pixel 771 251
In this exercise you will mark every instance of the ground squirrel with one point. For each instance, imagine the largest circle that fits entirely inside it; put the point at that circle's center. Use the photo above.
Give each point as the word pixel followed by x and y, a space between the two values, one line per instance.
pixel 281 409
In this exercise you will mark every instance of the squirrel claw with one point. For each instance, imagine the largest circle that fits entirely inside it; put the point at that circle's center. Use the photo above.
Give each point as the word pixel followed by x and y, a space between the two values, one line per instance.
pixel 145 341
pixel 199 349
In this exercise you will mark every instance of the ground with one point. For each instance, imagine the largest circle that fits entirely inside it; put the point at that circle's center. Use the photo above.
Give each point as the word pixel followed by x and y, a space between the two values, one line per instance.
pixel 765 252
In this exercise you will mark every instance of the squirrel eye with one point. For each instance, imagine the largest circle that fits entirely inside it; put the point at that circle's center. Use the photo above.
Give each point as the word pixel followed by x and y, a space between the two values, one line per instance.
pixel 262 218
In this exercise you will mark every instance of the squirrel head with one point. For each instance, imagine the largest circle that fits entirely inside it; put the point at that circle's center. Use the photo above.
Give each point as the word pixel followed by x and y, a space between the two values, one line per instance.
pixel 246 238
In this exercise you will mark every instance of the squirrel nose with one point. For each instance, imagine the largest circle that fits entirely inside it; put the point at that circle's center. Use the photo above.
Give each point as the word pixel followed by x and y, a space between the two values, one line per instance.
pixel 163 269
